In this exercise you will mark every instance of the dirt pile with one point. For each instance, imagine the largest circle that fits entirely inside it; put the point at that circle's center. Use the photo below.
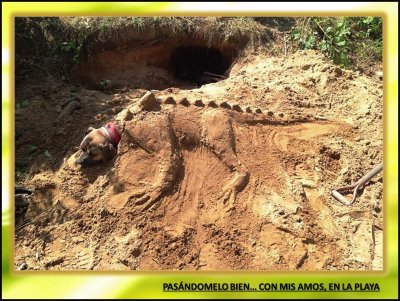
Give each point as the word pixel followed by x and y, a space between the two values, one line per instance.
pixel 201 188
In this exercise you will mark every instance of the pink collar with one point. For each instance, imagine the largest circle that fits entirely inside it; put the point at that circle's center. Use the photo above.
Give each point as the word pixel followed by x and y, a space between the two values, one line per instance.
pixel 112 133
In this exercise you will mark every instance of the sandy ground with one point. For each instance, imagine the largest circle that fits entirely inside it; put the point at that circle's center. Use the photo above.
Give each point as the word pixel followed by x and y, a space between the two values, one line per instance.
pixel 115 216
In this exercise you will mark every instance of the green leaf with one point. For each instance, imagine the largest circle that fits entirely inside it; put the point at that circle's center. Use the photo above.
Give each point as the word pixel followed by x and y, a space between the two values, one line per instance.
pixel 341 43
pixel 295 34
pixel 368 20
pixel 23 104
pixel 345 61
pixel 309 42
pixel 47 154
pixel 346 31
pixel 324 45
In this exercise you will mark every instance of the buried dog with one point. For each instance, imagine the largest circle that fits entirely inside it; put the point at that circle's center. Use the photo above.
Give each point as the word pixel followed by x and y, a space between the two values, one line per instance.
pixel 163 129
pixel 99 145
pixel 164 133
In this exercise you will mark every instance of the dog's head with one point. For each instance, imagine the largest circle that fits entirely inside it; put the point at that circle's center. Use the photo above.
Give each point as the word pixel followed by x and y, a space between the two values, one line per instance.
pixel 99 145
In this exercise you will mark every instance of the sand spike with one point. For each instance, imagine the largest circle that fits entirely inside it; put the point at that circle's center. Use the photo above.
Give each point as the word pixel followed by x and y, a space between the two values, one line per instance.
pixel 225 105
pixel 237 108
pixel 149 102
pixel 184 102
pixel 212 104
pixel 199 103
pixel 169 100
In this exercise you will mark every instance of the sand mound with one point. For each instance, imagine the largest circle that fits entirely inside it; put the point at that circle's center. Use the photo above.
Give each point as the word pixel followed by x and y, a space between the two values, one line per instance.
pixel 196 189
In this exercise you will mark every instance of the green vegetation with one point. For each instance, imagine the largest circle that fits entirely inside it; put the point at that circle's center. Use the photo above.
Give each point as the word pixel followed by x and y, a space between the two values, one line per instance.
pixel 105 83
pixel 71 49
pixel 95 31
pixel 348 41
pixel 54 45
pixel 47 154
pixel 23 104
pixel 36 44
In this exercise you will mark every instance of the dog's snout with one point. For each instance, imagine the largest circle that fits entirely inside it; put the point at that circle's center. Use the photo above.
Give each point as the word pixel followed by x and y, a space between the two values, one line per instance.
pixel 86 160
pixel 82 158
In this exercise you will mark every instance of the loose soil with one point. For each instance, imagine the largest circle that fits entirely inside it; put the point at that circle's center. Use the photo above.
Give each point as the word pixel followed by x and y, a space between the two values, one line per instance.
pixel 283 219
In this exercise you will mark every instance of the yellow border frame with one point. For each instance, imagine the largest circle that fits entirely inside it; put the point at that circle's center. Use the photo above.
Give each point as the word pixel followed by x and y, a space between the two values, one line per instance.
pixel 143 284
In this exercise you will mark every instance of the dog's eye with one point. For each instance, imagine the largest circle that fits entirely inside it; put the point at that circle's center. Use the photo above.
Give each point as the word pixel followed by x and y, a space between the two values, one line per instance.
pixel 93 152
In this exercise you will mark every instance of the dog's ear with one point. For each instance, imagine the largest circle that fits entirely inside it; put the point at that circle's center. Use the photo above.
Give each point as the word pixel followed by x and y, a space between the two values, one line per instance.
pixel 89 130
pixel 109 151
pixel 85 142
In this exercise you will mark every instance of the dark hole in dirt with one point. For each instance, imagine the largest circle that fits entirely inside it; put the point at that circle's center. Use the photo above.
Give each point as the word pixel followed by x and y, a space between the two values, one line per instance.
pixel 198 64
pixel 156 65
